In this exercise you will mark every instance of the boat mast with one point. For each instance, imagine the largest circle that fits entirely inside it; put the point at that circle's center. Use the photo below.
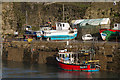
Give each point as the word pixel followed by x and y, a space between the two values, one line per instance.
pixel 92 48
pixel 63 12
pixel 26 17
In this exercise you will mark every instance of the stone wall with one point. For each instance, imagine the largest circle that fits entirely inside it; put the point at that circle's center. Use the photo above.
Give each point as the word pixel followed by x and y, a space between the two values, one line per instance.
pixel 45 52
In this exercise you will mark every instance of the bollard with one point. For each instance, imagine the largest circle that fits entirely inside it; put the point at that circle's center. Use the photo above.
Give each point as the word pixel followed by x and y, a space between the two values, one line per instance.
pixel 67 43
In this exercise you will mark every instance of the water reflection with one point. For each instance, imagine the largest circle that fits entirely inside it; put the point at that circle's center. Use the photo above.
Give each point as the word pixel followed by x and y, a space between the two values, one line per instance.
pixel 26 70
pixel 75 74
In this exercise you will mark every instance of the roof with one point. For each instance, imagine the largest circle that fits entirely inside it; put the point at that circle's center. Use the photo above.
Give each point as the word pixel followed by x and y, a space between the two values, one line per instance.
pixel 83 22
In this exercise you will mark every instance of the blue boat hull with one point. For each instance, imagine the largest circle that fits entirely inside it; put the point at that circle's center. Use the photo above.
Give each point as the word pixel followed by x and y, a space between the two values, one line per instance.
pixel 91 70
pixel 60 37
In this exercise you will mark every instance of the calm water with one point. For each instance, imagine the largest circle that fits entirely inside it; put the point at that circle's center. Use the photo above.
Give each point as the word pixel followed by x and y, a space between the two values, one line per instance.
pixel 20 70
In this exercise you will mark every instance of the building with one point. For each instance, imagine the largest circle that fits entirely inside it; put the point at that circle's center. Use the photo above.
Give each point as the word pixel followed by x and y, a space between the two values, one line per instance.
pixel 102 22
pixel 90 26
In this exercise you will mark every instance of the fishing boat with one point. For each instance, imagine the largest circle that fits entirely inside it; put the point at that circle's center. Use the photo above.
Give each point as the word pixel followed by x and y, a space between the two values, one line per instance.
pixel 108 34
pixel 29 35
pixel 63 31
pixel 71 61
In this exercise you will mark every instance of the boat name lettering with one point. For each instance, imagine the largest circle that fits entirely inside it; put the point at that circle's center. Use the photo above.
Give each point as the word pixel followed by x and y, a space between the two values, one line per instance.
pixel 83 67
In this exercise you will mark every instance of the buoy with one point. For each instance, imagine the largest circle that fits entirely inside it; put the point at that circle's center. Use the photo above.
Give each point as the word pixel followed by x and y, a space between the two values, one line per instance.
pixel 61 59
pixel 33 49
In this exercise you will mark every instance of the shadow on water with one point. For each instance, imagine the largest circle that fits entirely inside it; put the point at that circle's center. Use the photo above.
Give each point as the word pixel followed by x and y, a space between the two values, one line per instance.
pixel 51 60
pixel 27 56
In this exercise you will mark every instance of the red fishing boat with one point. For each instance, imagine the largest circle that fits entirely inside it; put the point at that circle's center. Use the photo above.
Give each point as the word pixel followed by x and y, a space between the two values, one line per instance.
pixel 70 61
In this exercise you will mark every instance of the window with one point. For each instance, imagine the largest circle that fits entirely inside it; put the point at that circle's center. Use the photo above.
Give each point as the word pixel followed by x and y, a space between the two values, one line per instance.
pixel 72 55
pixel 63 25
pixel 69 55
pixel 63 56
pixel 88 36
pixel 115 25
pixel 60 55
pixel 60 25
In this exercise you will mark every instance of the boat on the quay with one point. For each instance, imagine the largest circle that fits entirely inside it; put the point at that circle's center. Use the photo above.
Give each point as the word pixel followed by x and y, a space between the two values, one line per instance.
pixel 63 31
pixel 71 61
pixel 108 34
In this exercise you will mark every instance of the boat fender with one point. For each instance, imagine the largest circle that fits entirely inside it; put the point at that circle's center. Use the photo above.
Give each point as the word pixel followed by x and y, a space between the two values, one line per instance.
pixel 61 59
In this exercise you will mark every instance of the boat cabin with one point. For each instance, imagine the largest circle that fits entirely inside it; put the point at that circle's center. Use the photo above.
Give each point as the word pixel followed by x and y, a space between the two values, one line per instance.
pixel 66 57
pixel 74 57
pixel 116 26
pixel 62 26
pixel 71 57
pixel 28 28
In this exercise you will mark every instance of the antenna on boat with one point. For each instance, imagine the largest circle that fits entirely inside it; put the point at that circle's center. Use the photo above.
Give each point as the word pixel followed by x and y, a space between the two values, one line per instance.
pixel 26 17
pixel 92 49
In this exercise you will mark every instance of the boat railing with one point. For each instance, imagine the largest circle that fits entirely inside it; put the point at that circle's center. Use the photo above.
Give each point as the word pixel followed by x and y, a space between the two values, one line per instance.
pixel 93 65
pixel 70 61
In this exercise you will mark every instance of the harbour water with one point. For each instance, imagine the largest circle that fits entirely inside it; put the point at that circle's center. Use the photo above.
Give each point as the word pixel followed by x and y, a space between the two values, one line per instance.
pixel 25 70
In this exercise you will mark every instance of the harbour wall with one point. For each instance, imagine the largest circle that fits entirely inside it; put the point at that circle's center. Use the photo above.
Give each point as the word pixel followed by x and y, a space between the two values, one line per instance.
pixel 44 52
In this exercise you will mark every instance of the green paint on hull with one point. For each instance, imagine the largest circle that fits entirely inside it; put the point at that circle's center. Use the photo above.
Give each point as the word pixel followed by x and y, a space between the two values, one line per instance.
pixel 110 34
